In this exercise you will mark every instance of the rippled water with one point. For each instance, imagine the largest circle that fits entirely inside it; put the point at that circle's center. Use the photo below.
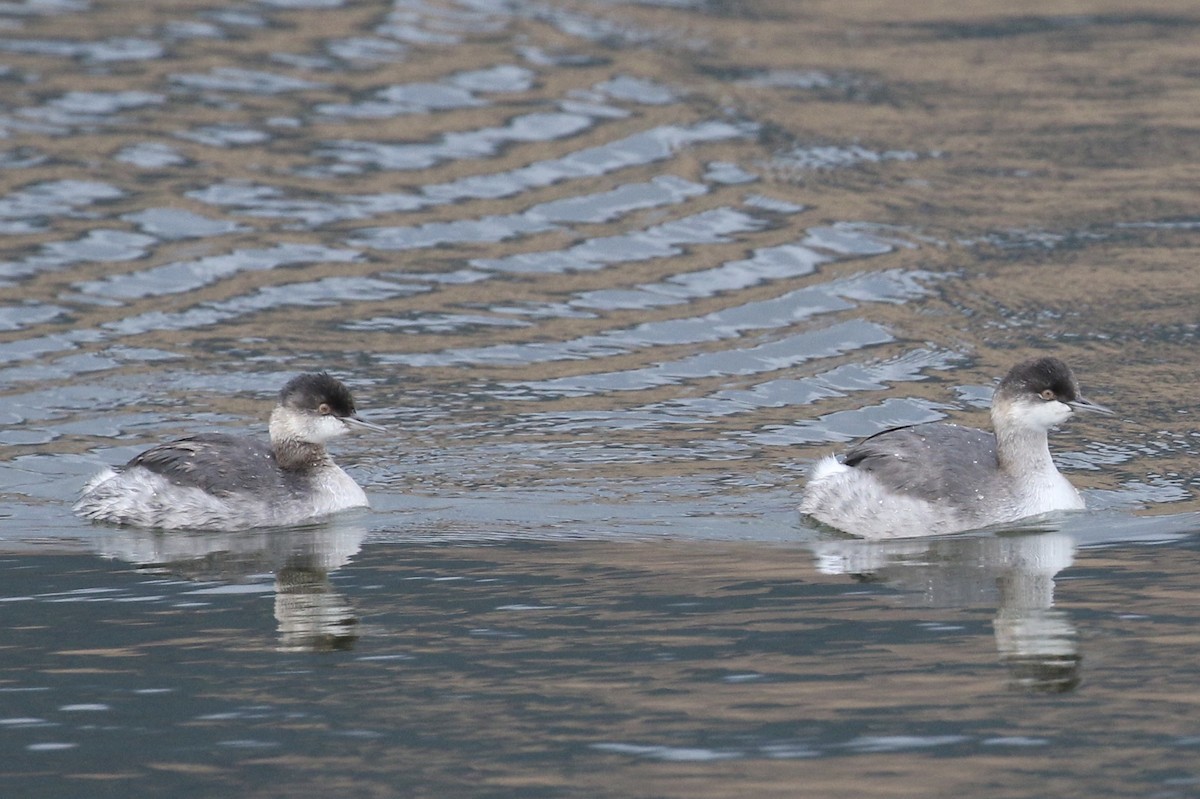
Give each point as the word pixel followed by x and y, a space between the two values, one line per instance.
pixel 615 274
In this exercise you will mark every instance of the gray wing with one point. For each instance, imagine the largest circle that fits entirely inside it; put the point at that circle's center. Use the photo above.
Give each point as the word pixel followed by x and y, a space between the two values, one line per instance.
pixel 937 461
pixel 215 462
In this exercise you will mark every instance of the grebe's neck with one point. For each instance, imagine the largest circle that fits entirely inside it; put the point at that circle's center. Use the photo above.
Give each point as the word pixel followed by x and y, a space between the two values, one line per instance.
pixel 292 451
pixel 1021 431
pixel 1023 451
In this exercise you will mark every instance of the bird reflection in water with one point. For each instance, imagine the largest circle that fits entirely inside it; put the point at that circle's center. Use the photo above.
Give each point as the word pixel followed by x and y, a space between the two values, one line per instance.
pixel 1015 572
pixel 311 615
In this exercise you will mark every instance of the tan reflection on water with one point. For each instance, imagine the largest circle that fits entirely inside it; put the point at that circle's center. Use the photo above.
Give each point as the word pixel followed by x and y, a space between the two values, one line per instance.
pixel 1027 167
pixel 1010 153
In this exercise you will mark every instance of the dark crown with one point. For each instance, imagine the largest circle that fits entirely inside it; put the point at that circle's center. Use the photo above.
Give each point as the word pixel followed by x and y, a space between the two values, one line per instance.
pixel 1036 375
pixel 307 392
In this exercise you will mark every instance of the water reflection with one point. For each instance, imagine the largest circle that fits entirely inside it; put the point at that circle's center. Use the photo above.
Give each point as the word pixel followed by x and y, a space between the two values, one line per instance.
pixel 311 614
pixel 1015 572
pixel 623 277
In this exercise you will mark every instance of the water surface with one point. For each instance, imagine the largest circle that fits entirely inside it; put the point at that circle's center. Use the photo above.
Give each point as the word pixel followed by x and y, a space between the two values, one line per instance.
pixel 615 274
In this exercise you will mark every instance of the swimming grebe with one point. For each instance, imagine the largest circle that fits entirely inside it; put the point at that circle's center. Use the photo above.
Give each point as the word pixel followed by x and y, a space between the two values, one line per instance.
pixel 929 479
pixel 219 481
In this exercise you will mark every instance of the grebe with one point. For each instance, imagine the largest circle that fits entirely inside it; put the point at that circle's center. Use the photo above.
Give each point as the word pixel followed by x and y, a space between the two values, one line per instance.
pixel 929 479
pixel 218 481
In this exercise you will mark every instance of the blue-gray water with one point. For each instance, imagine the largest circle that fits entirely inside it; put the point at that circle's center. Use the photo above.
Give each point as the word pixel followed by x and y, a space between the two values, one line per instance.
pixel 614 274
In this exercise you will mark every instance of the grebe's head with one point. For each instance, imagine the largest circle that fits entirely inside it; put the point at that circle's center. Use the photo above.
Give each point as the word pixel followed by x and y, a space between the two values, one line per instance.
pixel 318 408
pixel 1039 394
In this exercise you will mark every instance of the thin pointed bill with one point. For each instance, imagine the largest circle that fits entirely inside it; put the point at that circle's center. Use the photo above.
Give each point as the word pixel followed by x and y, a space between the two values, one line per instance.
pixel 362 424
pixel 1084 404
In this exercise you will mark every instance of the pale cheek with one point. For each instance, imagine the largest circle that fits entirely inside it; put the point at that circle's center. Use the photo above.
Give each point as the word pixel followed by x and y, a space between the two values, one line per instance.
pixel 329 427
pixel 1049 414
